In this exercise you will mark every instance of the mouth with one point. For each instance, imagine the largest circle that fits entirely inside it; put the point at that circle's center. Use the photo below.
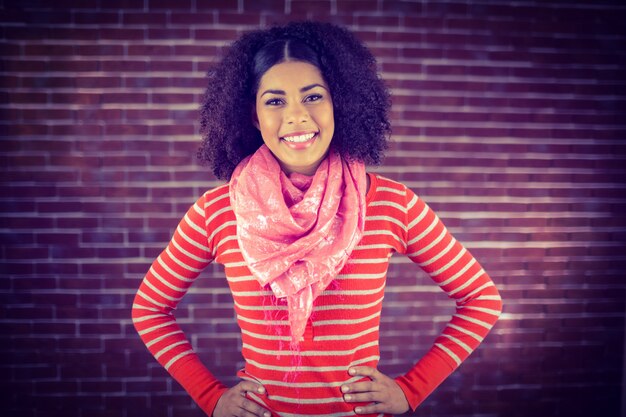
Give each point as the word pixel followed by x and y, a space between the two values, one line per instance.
pixel 300 141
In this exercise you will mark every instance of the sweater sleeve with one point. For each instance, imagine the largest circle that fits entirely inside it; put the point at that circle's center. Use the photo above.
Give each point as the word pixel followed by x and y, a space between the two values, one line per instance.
pixel 456 271
pixel 165 284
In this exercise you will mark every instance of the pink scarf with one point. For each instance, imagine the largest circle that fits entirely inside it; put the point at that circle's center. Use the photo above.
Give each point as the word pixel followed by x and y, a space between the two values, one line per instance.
pixel 297 232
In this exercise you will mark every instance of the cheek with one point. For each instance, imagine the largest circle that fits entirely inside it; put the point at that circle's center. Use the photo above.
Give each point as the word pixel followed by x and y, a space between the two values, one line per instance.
pixel 267 121
pixel 322 115
pixel 328 117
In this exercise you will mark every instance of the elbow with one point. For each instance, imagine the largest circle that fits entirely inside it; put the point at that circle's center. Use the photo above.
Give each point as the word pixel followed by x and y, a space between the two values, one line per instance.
pixel 498 304
pixel 145 312
pixel 137 312
pixel 499 309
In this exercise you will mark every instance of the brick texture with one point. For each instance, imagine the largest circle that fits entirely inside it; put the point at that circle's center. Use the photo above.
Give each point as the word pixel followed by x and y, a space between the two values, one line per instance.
pixel 508 118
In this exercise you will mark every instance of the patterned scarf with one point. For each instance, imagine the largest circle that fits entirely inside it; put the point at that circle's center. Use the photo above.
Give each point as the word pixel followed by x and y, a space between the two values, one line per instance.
pixel 296 232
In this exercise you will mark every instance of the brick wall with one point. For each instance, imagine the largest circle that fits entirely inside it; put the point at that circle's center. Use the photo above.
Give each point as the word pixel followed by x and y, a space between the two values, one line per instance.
pixel 507 118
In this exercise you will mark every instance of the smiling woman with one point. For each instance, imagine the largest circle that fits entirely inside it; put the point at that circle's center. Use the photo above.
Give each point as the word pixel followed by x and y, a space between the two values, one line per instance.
pixel 291 117
pixel 345 68
pixel 294 112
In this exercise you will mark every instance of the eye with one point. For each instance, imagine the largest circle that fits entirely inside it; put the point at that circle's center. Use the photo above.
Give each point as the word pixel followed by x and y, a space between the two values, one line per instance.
pixel 313 97
pixel 274 102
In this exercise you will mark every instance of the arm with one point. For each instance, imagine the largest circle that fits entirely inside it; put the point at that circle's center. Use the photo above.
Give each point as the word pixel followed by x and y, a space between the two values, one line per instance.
pixel 165 284
pixel 454 269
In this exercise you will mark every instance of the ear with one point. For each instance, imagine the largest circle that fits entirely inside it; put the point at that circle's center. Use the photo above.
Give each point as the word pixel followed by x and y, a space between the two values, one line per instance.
pixel 255 118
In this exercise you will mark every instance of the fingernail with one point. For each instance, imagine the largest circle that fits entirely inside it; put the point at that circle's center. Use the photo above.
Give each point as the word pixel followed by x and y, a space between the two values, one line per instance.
pixel 261 390
pixel 348 397
pixel 267 414
pixel 352 371
pixel 345 388
pixel 358 409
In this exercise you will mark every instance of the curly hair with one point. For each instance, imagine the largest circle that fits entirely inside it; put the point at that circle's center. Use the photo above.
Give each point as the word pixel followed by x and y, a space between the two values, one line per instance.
pixel 360 98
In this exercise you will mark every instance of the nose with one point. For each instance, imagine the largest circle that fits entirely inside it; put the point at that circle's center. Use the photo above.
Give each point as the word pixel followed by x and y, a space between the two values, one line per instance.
pixel 296 113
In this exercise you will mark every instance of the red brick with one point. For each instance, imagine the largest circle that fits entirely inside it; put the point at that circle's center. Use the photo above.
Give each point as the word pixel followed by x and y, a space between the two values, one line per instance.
pixel 124 65
pixel 150 50
pixel 204 5
pixel 110 145
pixel 169 33
pixel 68 253
pixel 140 18
pixel 49 50
pixel 172 129
pixel 99 49
pixel 116 253
pixel 101 18
pixel 207 52
pixel 125 129
pixel 82 370
pixel 172 98
pixel 134 223
pixel 62 329
pixel 125 192
pixel 195 18
pixel 248 19
pixel 169 4
pixel 79 192
pixel 99 328
pixel 98 82
pixel 215 34
pixel 149 237
pixel 9 49
pixel 146 386
pixel 80 33
pixel 101 386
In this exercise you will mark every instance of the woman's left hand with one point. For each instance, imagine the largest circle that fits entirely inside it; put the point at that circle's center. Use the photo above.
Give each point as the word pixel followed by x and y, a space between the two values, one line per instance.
pixel 384 393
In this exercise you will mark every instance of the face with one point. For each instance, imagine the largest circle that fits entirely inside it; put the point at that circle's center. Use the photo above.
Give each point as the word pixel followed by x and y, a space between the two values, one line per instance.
pixel 294 112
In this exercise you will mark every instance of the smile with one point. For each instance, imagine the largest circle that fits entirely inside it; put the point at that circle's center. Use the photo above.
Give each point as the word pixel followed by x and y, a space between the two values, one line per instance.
pixel 300 138
pixel 300 142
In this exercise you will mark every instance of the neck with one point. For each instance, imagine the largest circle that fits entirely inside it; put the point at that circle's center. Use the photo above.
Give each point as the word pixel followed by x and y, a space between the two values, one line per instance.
pixel 308 171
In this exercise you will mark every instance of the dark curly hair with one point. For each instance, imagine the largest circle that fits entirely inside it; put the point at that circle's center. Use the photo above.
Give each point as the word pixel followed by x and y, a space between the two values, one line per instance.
pixel 360 98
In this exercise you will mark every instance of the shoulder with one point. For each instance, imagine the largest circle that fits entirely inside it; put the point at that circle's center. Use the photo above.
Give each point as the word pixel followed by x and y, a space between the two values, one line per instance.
pixel 215 194
pixel 394 193
pixel 214 200
pixel 387 188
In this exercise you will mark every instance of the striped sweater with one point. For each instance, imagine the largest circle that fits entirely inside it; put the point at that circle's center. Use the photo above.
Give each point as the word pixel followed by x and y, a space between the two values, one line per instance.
pixel 343 330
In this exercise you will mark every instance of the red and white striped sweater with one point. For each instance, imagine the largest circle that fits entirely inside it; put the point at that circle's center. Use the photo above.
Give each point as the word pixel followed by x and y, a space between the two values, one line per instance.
pixel 343 329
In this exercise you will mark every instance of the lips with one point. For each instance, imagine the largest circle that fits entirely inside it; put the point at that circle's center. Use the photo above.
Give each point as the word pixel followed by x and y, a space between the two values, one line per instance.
pixel 300 140
pixel 299 137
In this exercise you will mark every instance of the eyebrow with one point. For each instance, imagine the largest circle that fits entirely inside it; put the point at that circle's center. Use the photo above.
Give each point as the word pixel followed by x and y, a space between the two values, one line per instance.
pixel 302 90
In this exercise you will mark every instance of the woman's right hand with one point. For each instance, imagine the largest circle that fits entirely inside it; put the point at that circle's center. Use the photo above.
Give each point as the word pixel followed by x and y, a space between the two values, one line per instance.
pixel 234 402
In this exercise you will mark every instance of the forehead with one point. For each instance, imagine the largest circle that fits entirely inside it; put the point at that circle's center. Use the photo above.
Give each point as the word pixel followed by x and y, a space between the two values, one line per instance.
pixel 291 74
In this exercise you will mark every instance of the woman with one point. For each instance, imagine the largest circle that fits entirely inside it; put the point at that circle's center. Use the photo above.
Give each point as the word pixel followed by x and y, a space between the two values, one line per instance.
pixel 290 118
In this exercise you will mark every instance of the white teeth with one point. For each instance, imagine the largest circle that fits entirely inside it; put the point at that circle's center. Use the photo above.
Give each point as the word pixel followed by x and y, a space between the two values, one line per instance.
pixel 301 138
